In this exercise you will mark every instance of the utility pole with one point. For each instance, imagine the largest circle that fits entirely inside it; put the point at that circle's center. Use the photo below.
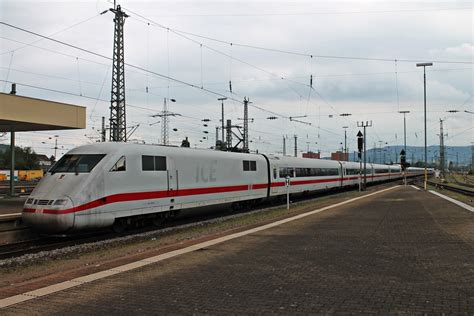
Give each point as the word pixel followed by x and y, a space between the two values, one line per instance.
pixel 246 125
pixel 346 152
pixel 55 145
pixel 374 156
pixel 441 148
pixel 102 131
pixel 222 116
pixel 296 145
pixel 284 145
pixel 364 125
pixel 12 152
pixel 424 65
pixel 380 151
pixel 472 155
pixel 404 129
pixel 457 161
pixel 118 125
pixel 229 135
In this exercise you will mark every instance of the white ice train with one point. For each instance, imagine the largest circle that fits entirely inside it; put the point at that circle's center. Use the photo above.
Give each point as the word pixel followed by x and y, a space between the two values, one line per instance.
pixel 107 184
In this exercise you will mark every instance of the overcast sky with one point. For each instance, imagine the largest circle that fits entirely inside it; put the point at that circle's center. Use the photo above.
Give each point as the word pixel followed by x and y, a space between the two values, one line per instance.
pixel 190 41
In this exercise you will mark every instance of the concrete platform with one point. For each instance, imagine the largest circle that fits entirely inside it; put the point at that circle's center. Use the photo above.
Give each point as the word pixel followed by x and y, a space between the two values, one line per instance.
pixel 401 251
pixel 10 205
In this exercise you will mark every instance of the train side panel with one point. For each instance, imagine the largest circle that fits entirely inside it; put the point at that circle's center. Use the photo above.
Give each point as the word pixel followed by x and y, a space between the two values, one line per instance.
pixel 305 175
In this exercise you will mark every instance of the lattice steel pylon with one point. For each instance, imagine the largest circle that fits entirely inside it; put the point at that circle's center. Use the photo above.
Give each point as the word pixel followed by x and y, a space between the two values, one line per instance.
pixel 164 126
pixel 118 124
pixel 246 125
pixel 164 115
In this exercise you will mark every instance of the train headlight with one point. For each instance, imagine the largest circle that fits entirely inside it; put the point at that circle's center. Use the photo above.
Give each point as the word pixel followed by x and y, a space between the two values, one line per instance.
pixel 60 202
pixel 29 201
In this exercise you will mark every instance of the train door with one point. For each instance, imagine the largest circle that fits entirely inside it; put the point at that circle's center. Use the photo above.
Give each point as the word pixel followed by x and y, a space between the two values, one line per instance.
pixel 172 177
pixel 274 175
pixel 341 174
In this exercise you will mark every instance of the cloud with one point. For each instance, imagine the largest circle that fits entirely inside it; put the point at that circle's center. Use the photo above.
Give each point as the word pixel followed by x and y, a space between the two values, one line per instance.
pixel 464 51
pixel 367 89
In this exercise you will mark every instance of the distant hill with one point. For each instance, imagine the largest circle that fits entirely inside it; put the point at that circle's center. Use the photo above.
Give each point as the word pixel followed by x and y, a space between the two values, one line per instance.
pixel 461 154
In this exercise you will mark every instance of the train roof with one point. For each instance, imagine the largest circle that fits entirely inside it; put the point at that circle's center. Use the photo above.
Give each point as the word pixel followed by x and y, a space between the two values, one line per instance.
pixel 127 148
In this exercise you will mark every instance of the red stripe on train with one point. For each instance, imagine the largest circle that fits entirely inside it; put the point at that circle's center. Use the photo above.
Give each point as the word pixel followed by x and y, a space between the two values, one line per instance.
pixel 136 196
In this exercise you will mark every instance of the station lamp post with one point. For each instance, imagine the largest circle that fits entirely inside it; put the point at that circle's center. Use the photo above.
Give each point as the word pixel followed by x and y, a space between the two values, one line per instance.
pixel 424 65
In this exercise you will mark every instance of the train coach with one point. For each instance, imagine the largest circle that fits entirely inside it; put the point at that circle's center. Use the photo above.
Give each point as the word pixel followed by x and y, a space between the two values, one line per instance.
pixel 118 184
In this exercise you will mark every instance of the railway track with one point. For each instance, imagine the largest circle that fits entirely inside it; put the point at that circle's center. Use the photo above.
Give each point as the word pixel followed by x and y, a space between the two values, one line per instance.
pixel 452 188
pixel 42 243
pixel 39 244
pixel 19 190
pixel 470 181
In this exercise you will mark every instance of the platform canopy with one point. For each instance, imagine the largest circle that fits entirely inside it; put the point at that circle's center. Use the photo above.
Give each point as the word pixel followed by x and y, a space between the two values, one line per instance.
pixel 19 114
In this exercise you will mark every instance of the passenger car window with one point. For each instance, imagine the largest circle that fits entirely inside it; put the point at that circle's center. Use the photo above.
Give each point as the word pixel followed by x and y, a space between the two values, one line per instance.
pixel 148 163
pixel 160 163
pixel 253 165
pixel 249 165
pixel 119 165
pixel 153 163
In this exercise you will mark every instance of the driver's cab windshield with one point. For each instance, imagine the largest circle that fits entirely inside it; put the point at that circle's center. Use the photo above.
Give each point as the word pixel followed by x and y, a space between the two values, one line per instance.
pixel 77 163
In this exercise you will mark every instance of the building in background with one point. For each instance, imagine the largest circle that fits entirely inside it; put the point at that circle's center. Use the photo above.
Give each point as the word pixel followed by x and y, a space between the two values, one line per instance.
pixel 44 162
pixel 339 155
pixel 312 155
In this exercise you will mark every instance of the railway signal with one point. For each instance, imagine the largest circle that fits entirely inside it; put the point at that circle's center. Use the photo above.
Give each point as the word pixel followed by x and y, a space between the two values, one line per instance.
pixel 360 146
pixel 365 125
pixel 403 163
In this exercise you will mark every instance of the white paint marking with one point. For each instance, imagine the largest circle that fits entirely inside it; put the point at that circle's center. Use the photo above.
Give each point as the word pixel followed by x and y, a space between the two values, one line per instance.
pixel 10 215
pixel 141 263
pixel 415 187
pixel 458 203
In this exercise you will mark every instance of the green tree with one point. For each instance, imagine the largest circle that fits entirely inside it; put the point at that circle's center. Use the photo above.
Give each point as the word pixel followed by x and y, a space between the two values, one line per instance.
pixel 25 159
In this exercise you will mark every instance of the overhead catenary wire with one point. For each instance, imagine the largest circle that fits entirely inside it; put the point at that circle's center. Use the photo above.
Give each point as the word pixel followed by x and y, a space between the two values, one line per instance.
pixel 278 14
pixel 139 68
pixel 55 33
pixel 202 86
pixel 294 52
pixel 210 83
pixel 8 71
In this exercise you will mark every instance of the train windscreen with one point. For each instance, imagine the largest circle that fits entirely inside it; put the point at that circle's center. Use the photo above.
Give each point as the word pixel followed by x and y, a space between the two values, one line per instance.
pixel 77 163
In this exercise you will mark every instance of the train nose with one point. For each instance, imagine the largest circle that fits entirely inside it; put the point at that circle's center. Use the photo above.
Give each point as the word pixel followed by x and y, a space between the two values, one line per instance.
pixel 49 216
